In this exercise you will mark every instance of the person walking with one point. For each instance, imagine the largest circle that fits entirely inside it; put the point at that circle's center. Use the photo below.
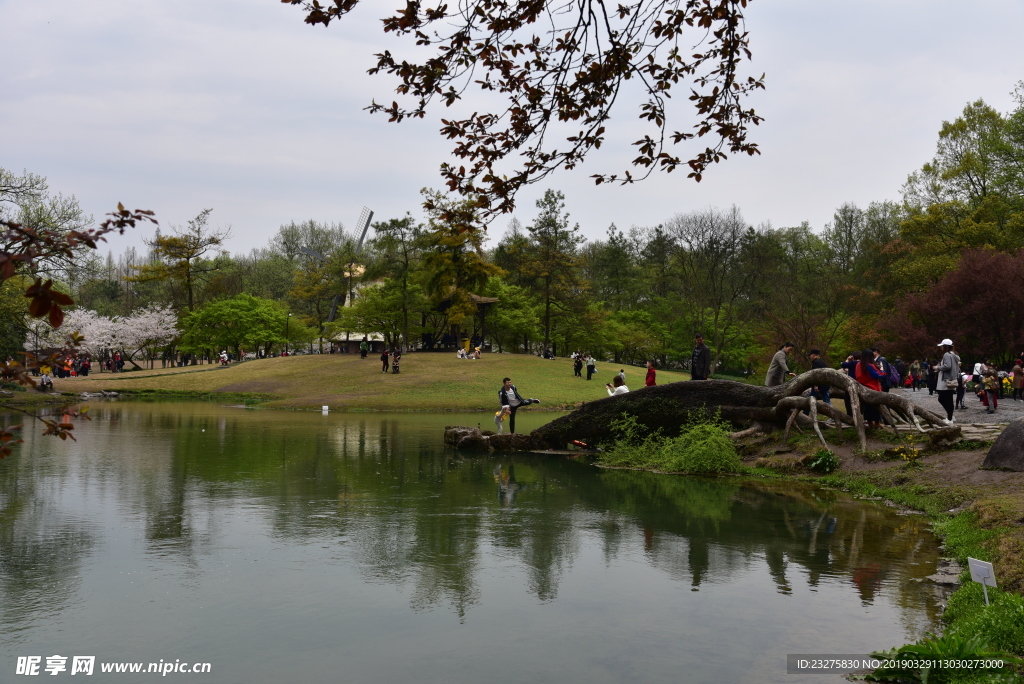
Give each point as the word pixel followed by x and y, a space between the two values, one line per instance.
pixel 915 374
pixel 651 379
pixel 577 365
pixel 509 397
pixel 591 366
pixel 778 370
pixel 901 370
pixel 991 390
pixel 700 362
pixel 396 357
pixel 622 374
pixel 616 386
pixel 948 378
pixel 384 359
pixel 1018 379
pixel 364 348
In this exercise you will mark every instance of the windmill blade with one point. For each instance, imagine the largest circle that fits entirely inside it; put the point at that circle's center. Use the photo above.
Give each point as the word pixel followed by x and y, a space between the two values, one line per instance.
pixel 309 252
pixel 334 306
pixel 362 225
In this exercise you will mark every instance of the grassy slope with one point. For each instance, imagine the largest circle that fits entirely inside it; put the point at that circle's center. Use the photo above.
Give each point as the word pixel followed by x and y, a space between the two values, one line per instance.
pixel 428 381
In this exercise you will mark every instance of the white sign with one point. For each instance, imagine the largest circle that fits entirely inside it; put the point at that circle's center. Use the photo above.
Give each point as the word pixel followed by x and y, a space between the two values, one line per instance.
pixel 982 573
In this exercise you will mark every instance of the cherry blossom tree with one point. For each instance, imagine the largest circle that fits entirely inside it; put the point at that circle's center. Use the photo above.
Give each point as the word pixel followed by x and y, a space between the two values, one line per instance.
pixel 148 331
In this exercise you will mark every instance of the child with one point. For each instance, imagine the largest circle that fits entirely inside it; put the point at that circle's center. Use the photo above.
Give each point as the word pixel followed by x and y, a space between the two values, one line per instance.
pixel 991 390
pixel 500 416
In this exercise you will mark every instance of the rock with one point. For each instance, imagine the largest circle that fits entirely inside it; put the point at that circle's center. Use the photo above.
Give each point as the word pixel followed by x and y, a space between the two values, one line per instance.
pixel 1008 450
pixel 6 394
pixel 945 436
pixel 947 572
pixel 465 438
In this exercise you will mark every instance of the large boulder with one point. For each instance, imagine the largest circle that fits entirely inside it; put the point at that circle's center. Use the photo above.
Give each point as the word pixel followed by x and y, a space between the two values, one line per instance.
pixel 1008 451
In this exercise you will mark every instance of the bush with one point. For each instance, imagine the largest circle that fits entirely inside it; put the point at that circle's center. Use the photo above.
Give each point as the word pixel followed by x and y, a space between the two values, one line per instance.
pixel 704 448
pixel 943 652
pixel 1001 624
pixel 823 461
pixel 11 387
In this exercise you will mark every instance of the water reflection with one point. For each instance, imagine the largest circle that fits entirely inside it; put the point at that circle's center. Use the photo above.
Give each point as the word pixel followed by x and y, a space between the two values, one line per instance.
pixel 191 497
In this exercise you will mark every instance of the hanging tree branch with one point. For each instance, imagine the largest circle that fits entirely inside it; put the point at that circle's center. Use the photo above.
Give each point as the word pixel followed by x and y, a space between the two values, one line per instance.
pixel 559 67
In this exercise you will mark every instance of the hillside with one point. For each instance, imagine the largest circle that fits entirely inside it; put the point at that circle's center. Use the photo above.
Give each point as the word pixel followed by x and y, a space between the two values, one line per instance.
pixel 428 381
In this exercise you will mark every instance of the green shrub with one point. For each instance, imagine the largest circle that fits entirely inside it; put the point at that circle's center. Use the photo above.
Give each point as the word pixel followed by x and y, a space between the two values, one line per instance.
pixel 704 448
pixel 823 461
pixel 951 646
pixel 1001 623
pixel 11 387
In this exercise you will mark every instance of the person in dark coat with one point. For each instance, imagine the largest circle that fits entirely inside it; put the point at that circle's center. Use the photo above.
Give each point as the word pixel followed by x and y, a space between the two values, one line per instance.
pixel 932 377
pixel 819 392
pixel 508 397
pixel 384 359
pixel 700 362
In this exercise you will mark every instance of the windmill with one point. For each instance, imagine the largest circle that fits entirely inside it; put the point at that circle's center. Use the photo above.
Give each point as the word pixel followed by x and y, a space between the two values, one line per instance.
pixel 362 226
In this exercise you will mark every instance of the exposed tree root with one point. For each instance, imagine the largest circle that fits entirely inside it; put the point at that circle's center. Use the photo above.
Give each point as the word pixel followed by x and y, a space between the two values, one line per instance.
pixel 668 407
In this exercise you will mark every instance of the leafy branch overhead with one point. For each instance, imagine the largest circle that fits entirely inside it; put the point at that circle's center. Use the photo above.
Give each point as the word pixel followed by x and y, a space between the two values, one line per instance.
pixel 24 247
pixel 560 67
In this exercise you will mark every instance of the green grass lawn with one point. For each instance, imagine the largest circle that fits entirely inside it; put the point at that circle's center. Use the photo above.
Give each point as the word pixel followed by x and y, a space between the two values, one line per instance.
pixel 428 381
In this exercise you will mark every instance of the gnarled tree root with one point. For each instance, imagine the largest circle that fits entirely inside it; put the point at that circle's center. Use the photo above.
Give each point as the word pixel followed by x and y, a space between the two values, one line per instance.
pixel 668 407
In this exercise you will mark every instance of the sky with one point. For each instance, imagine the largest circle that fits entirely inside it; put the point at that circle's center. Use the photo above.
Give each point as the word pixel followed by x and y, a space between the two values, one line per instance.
pixel 239 106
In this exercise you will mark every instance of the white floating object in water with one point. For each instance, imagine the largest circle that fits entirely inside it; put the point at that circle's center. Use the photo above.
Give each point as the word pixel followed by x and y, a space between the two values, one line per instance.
pixel 324 409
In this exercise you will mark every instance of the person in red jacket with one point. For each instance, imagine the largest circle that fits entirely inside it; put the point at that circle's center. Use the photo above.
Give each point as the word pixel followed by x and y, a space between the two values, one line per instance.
pixel 868 374
pixel 650 382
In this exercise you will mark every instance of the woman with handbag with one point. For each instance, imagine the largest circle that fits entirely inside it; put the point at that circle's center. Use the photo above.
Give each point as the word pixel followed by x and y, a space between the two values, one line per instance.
pixel 949 378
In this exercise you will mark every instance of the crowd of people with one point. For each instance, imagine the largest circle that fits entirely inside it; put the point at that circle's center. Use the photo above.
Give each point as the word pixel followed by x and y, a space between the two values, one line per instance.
pixel 942 376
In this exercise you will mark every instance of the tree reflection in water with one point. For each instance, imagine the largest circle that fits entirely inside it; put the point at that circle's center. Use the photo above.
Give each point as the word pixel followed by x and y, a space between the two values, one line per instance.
pixel 429 521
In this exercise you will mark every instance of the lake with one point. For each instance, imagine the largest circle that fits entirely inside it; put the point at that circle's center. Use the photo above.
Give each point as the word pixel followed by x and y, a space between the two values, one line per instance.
pixel 299 547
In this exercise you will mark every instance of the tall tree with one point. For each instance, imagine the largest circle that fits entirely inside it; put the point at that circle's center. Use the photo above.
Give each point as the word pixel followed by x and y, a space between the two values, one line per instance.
pixel 398 251
pixel 179 258
pixel 454 264
pixel 716 261
pixel 553 258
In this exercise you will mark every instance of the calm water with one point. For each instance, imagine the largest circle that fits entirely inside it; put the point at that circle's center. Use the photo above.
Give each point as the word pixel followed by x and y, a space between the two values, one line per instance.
pixel 295 547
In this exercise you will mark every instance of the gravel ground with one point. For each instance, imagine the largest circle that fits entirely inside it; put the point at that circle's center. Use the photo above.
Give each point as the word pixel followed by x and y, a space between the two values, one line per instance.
pixel 974 413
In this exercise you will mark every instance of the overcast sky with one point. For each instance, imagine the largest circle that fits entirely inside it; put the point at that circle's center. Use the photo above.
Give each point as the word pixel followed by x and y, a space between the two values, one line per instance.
pixel 240 106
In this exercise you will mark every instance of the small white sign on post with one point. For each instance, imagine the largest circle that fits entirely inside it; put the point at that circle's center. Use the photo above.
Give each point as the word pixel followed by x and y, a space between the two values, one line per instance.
pixel 983 573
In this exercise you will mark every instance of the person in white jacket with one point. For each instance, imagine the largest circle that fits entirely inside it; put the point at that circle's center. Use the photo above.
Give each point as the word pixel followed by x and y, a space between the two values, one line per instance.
pixel 616 386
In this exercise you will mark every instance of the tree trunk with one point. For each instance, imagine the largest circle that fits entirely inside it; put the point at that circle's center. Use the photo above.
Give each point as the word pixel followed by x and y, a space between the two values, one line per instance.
pixel 666 408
